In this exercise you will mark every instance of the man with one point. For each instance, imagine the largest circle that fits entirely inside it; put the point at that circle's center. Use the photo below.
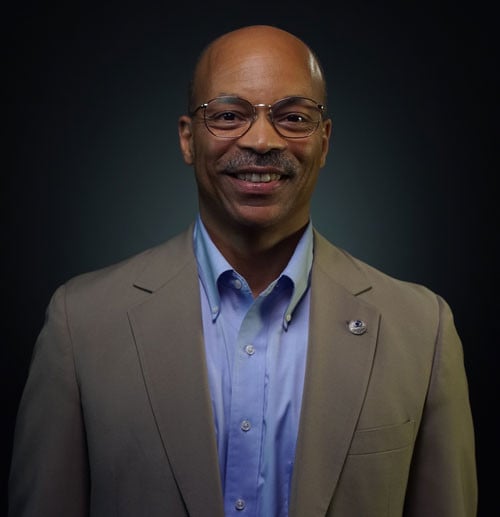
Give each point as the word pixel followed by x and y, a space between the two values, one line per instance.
pixel 247 366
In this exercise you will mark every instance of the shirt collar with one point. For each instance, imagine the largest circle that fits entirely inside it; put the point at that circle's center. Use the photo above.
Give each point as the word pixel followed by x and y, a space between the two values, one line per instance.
pixel 212 264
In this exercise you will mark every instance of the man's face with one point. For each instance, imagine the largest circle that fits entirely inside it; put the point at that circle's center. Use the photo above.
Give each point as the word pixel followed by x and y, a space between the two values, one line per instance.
pixel 260 179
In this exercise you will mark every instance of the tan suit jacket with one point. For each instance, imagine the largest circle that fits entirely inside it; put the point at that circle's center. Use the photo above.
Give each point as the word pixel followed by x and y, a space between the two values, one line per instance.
pixel 116 417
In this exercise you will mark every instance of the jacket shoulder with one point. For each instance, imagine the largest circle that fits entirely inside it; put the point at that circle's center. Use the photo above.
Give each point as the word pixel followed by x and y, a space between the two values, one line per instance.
pixel 146 270
pixel 371 283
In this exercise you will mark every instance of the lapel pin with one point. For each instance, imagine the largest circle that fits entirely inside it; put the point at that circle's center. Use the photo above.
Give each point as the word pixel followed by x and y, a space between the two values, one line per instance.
pixel 357 327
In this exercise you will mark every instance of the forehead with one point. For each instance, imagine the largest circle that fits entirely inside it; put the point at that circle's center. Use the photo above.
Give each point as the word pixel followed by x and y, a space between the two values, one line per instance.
pixel 261 67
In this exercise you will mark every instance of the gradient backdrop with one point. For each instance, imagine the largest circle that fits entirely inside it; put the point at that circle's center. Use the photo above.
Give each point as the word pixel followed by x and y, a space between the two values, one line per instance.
pixel 92 171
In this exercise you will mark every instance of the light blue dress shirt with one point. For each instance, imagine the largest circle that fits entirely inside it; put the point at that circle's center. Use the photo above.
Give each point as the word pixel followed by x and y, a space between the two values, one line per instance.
pixel 256 356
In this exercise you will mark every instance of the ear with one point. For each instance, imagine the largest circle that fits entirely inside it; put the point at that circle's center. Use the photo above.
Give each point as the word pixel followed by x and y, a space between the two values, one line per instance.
pixel 186 138
pixel 325 139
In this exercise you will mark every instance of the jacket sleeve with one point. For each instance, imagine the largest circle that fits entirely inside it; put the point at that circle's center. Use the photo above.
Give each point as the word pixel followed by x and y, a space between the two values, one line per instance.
pixel 49 469
pixel 443 475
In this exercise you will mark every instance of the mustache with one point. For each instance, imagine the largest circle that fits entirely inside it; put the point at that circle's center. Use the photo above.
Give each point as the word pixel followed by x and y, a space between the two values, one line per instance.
pixel 243 160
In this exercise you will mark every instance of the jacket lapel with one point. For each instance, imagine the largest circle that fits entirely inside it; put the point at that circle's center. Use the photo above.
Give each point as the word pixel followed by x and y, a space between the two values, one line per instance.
pixel 167 329
pixel 337 374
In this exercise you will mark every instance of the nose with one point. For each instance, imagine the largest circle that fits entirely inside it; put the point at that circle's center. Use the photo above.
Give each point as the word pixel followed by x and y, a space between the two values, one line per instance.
pixel 262 136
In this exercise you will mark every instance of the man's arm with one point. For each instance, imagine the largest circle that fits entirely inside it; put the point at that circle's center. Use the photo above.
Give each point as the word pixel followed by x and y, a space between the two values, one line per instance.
pixel 49 472
pixel 443 473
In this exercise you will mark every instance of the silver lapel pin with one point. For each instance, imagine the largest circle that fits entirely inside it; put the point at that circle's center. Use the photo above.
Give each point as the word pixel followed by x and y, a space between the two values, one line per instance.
pixel 357 327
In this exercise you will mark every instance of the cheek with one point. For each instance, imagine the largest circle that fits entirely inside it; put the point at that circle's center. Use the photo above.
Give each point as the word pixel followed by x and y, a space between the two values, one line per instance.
pixel 308 153
pixel 320 151
pixel 207 151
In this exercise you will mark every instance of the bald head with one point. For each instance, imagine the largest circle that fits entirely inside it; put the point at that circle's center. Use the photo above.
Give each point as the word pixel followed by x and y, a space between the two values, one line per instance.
pixel 256 169
pixel 255 53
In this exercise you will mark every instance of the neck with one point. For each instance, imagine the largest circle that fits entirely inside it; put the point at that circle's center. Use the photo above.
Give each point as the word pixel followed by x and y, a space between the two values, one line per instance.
pixel 259 255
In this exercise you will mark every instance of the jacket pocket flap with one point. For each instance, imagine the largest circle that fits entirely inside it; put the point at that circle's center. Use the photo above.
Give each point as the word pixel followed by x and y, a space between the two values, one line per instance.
pixel 382 439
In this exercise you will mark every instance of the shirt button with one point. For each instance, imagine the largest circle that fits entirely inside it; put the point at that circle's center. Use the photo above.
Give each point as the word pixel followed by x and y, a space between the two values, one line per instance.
pixel 250 349
pixel 239 504
pixel 237 283
pixel 245 425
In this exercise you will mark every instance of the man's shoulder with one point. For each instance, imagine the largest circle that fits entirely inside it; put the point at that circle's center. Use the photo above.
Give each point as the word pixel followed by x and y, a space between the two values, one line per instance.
pixel 362 278
pixel 146 270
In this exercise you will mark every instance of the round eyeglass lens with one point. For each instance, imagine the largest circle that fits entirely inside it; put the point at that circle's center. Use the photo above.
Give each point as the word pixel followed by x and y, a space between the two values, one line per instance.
pixel 296 117
pixel 228 117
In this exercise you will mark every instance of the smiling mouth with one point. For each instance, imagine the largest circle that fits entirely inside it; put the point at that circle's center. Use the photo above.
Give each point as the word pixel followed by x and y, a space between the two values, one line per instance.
pixel 253 177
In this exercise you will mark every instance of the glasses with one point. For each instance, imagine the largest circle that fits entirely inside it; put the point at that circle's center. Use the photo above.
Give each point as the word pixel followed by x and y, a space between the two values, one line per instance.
pixel 232 117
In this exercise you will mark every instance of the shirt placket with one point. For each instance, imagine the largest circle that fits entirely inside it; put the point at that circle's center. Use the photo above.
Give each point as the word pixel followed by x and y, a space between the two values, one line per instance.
pixel 246 415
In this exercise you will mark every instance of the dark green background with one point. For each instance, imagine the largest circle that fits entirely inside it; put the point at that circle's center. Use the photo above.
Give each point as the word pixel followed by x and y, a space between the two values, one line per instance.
pixel 92 171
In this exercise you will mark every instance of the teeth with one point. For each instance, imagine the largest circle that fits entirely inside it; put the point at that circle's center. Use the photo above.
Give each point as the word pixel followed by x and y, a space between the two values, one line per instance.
pixel 258 178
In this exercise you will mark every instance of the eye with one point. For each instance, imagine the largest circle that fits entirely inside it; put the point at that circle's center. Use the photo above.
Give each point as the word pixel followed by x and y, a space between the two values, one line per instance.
pixel 227 116
pixel 222 114
pixel 294 117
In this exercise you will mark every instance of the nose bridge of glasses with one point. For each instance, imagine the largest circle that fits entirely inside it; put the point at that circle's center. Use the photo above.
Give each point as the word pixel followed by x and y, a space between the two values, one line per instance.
pixel 267 111
pixel 262 106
